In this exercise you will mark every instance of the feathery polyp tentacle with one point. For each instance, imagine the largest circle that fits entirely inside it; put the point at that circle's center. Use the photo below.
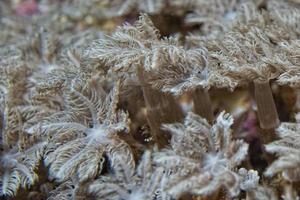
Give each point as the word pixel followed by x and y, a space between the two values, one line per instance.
pixel 89 104
pixel 66 125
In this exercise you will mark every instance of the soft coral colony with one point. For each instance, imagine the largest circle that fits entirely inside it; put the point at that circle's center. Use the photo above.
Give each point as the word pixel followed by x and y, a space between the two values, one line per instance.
pixel 137 114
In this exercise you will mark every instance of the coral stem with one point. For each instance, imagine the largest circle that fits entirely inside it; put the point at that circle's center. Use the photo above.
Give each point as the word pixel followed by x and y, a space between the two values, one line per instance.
pixel 161 108
pixel 267 112
pixel 202 104
pixel 289 193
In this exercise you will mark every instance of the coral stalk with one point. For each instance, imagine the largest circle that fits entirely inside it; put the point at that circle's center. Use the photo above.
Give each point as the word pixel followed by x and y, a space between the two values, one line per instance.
pixel 289 192
pixel 266 109
pixel 161 108
pixel 202 104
